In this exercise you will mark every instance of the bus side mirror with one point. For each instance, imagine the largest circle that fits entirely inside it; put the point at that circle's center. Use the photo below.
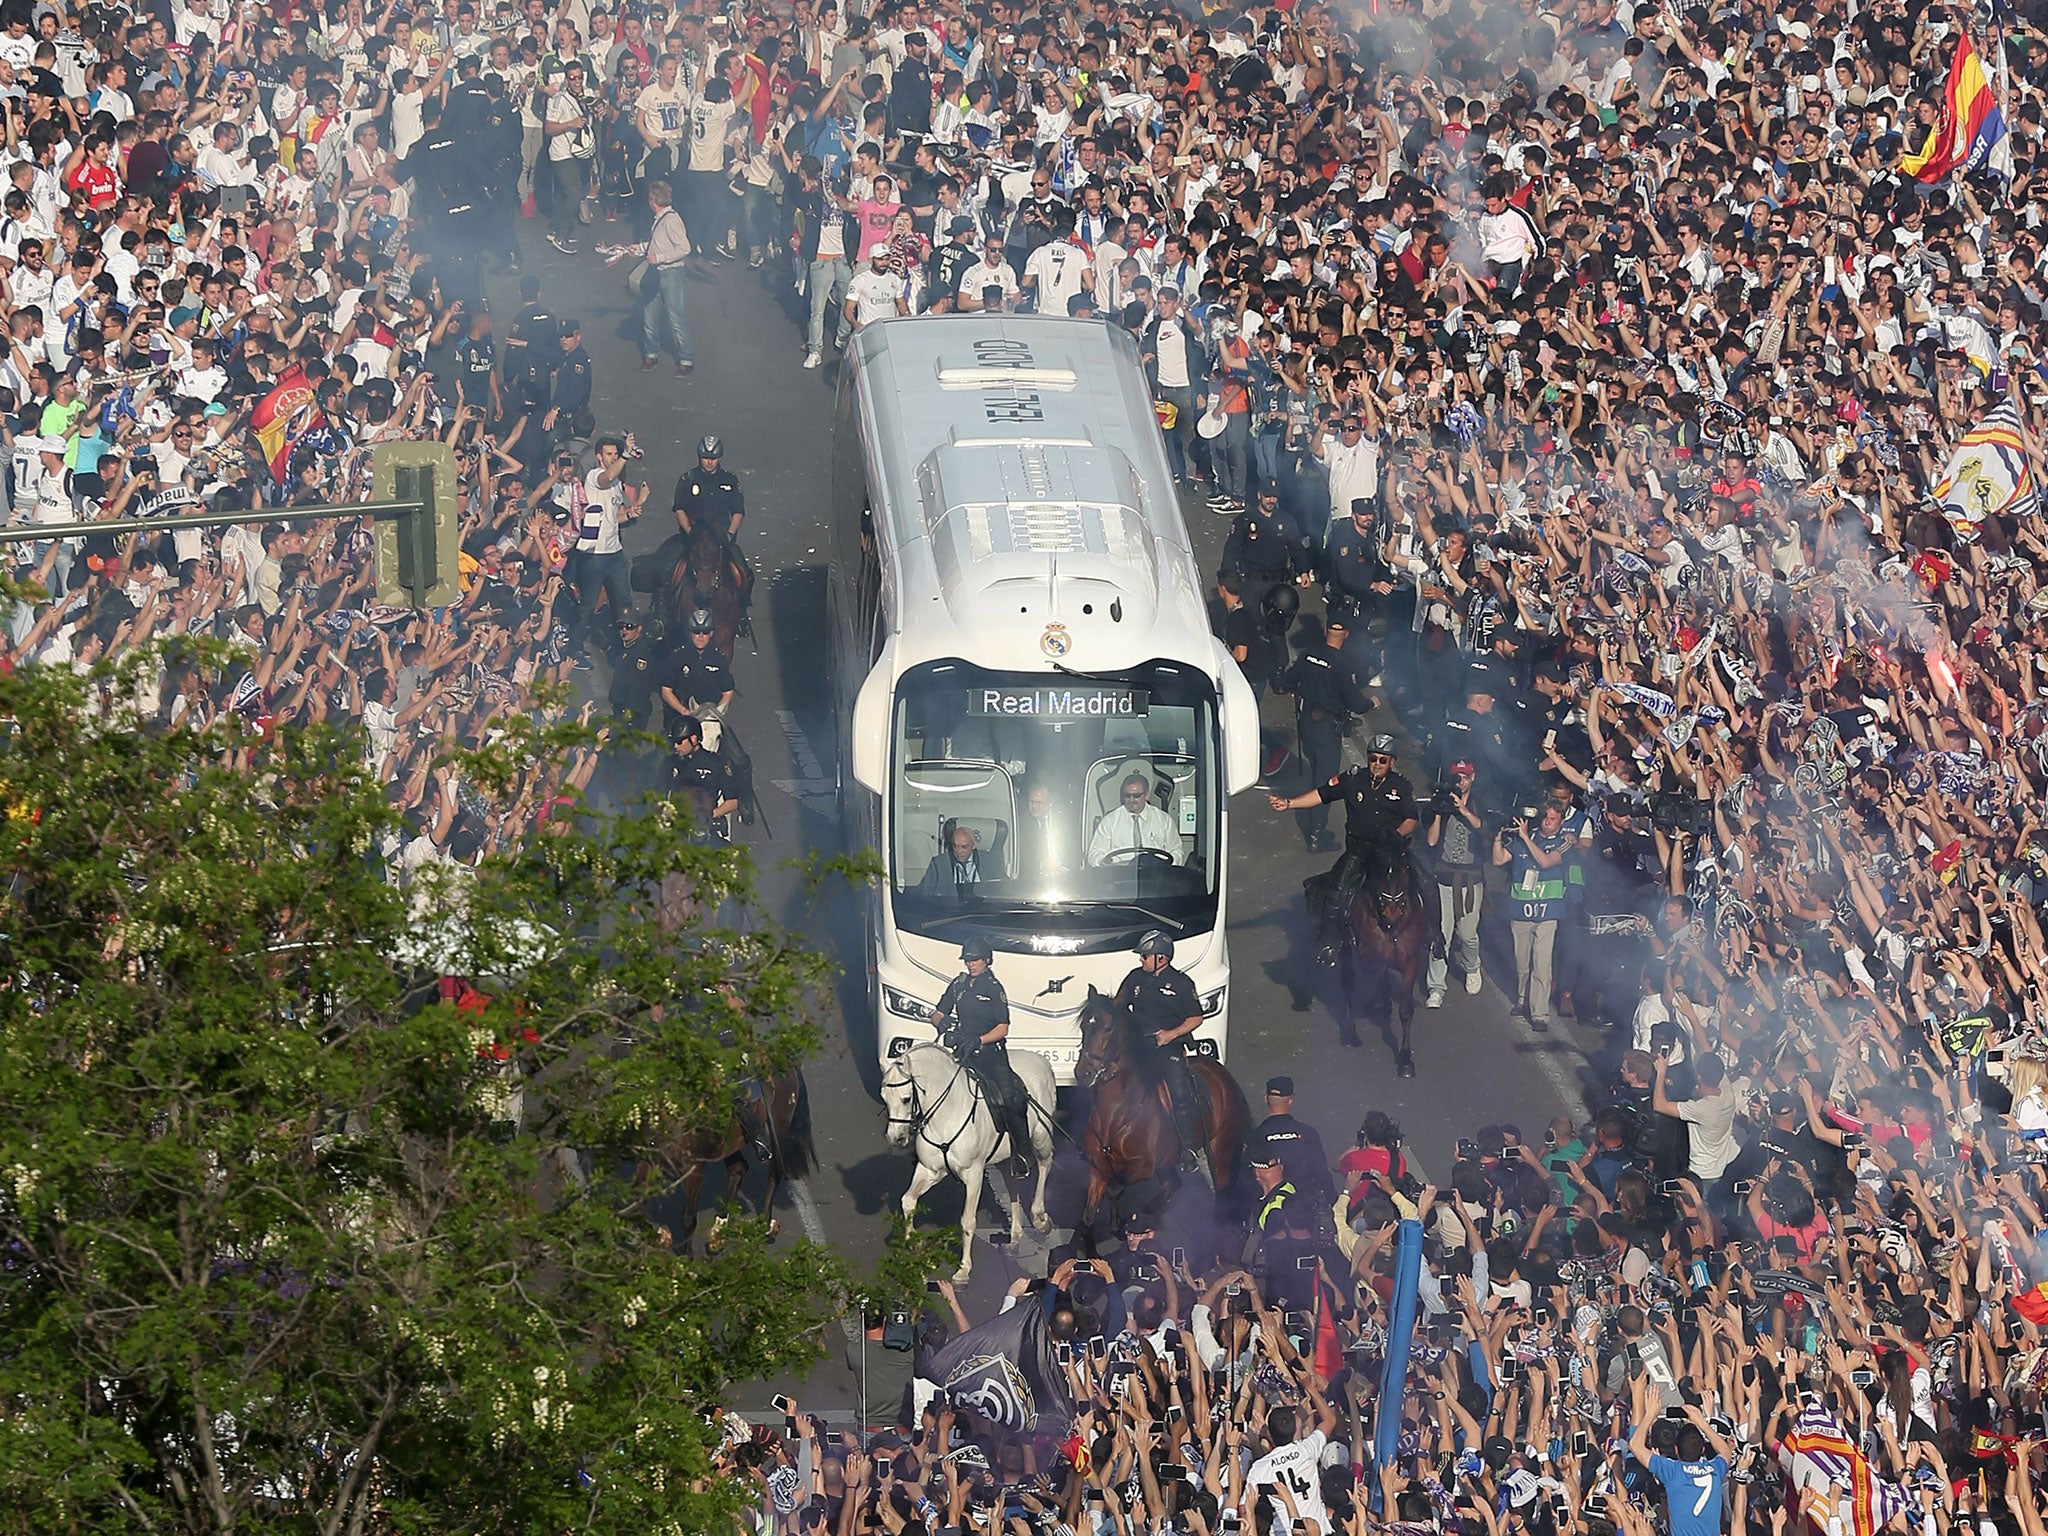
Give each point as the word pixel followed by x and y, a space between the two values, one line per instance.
pixel 868 740
pixel 1240 726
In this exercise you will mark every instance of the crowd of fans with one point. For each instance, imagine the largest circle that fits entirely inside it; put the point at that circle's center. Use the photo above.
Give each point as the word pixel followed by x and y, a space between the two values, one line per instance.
pixel 1598 363
pixel 225 285
pixel 1606 373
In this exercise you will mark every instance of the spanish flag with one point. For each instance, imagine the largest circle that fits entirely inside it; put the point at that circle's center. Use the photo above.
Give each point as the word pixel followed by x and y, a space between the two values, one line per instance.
pixel 1972 133
pixel 284 416
pixel 2033 1305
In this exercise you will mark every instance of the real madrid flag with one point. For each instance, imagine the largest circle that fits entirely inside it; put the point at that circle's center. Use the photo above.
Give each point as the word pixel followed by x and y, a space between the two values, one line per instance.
pixel 1003 1372
pixel 1988 475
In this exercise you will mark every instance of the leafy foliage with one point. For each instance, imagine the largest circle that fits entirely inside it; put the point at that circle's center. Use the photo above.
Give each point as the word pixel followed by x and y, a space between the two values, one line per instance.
pixel 291 1242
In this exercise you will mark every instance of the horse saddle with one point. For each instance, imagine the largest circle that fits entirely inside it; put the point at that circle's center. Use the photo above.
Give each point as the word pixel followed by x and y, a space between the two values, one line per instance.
pixel 1315 891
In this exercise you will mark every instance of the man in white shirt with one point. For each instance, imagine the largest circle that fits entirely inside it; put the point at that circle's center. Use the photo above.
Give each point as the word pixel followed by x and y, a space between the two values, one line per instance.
pixel 1136 824
pixel 1352 461
pixel 600 560
pixel 1059 269
pixel 223 163
pixel 990 272
pixel 661 112
pixel 1298 1464
pixel 876 294
pixel 1507 242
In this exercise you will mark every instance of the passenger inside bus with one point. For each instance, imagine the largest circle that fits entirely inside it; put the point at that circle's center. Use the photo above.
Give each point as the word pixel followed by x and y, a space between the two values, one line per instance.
pixel 958 865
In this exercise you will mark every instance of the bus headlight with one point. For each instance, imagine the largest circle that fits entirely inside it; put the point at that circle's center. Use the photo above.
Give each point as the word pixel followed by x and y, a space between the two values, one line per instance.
pixel 905 1005
pixel 1212 1002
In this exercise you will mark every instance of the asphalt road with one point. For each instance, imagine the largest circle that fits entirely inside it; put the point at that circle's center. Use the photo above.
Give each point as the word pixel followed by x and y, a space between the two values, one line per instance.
pixel 1474 1063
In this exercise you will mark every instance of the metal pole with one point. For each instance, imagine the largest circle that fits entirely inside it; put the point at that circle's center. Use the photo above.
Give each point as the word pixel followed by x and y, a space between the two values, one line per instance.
pixel 381 511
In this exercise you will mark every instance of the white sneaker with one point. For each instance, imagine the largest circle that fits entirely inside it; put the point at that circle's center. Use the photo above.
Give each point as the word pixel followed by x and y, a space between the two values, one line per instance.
pixel 1435 998
pixel 812 360
pixel 1472 981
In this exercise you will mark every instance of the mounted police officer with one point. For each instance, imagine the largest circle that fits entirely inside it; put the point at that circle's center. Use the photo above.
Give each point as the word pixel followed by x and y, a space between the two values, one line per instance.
pixel 710 495
pixel 1164 1013
pixel 712 491
pixel 704 775
pixel 1326 696
pixel 1379 813
pixel 696 678
pixel 973 1020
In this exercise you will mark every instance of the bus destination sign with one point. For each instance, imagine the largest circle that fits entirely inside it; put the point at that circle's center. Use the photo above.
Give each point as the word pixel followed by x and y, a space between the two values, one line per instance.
pixel 1059 702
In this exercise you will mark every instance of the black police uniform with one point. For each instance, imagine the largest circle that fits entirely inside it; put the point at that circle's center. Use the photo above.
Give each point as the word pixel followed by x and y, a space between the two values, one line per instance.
pixel 715 495
pixel 974 1005
pixel 1154 1002
pixel 689 673
pixel 1373 815
pixel 1265 546
pixel 1326 696
pixel 571 389
pixel 536 334
pixel 635 676
pixel 707 778
pixel 1351 564
pixel 1470 737
pixel 714 492
pixel 1301 1155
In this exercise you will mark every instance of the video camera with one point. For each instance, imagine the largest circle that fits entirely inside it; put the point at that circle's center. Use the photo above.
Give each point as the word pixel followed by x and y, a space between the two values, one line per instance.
pixel 1672 812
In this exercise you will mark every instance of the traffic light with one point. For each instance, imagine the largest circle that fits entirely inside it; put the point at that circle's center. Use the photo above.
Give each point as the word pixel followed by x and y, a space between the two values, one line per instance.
pixel 417 552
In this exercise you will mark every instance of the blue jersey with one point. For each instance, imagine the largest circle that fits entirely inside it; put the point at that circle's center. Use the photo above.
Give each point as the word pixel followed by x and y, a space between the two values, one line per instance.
pixel 1693 1489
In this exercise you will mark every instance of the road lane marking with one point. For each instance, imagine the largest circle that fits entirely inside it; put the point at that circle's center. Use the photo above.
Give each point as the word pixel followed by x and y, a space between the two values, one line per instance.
pixel 811 786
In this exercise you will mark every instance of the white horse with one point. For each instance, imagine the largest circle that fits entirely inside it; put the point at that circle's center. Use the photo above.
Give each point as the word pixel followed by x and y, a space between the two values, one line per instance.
pixel 933 1101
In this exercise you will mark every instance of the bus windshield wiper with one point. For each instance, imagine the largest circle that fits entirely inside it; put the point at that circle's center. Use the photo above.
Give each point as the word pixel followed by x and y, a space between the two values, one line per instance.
pixel 1094 677
pixel 1145 912
pixel 1007 913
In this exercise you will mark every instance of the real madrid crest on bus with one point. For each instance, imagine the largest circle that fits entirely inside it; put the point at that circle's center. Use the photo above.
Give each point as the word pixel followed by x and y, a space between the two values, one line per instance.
pixel 1055 642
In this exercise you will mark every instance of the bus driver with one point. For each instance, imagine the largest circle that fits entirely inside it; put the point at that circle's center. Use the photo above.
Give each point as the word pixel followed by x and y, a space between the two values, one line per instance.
pixel 1136 824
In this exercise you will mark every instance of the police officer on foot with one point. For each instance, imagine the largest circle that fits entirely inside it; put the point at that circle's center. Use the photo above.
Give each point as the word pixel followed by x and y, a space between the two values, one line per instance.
pixel 1296 1144
pixel 704 776
pixel 1276 1195
pixel 635 676
pixel 1326 696
pixel 973 1020
pixel 1164 1013
pixel 1379 813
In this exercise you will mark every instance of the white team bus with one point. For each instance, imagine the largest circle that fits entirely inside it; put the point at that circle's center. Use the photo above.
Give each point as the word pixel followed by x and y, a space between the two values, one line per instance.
pixel 1017 618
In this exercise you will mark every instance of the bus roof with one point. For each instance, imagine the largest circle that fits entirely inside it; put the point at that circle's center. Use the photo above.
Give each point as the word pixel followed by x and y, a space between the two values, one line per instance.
pixel 1022 502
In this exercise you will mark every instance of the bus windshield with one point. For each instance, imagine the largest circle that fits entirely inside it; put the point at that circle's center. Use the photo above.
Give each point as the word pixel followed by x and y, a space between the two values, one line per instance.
pixel 1027 804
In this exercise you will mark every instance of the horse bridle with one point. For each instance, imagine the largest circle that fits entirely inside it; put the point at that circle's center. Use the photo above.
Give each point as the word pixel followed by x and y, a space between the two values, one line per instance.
pixel 919 1116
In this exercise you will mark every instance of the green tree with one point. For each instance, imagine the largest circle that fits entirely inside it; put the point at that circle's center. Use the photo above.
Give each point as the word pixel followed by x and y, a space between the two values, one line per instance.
pixel 287 1243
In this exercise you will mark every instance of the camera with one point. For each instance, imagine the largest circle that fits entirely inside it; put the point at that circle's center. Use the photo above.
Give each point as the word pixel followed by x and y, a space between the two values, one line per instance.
pixel 1671 812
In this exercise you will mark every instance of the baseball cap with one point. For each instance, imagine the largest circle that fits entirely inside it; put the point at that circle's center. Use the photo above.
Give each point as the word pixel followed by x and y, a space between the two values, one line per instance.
pixel 1265 1160
pixel 1283 1086
pixel 181 314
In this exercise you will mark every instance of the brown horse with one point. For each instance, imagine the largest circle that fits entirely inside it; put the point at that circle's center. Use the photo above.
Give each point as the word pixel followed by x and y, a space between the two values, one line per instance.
pixel 1387 933
pixel 1130 1135
pixel 709 575
pixel 771 1114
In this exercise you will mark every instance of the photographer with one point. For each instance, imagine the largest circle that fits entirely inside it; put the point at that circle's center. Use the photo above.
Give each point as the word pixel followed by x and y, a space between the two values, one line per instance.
pixel 1453 835
pixel 1533 848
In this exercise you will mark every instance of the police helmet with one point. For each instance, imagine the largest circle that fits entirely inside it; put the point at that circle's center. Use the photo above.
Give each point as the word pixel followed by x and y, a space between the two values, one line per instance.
pixel 687 728
pixel 1342 614
pixel 1155 942
pixel 977 949
pixel 711 447
pixel 1281 603
pixel 700 621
